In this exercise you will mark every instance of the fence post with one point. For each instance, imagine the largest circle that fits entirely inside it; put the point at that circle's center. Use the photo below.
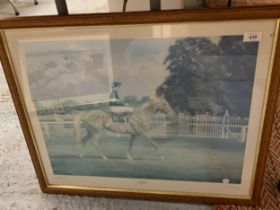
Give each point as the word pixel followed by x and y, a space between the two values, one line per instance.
pixel 164 125
pixel 225 133
pixel 181 124
pixel 243 133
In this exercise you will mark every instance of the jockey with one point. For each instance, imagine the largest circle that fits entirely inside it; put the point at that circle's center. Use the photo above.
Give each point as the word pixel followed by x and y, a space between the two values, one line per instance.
pixel 114 97
pixel 120 111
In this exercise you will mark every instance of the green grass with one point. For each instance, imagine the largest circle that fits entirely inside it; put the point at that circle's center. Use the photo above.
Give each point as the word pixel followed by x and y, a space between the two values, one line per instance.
pixel 191 159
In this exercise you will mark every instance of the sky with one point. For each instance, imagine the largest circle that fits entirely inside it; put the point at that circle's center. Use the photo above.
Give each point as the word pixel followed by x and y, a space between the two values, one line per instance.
pixel 140 67
pixel 137 63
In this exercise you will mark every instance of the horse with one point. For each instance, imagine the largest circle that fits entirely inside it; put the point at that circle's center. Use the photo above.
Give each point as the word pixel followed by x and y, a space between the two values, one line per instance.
pixel 96 120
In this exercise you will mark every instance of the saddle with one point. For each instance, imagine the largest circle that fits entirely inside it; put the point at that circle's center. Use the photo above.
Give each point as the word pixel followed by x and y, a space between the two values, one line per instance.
pixel 122 117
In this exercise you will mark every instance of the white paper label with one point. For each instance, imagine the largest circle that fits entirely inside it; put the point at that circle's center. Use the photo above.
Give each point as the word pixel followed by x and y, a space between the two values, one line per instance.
pixel 252 37
pixel 226 181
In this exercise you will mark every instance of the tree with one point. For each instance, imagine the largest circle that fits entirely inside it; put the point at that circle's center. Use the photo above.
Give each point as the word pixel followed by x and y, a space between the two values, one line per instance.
pixel 239 60
pixel 130 100
pixel 221 72
pixel 190 71
pixel 144 99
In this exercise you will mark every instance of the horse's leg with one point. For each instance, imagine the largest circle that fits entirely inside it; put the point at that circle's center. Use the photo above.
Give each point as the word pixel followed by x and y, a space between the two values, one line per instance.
pixel 85 140
pixel 96 145
pixel 131 142
pixel 154 144
pixel 109 122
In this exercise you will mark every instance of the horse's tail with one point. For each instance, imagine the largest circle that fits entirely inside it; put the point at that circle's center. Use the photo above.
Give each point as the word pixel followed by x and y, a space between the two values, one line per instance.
pixel 77 127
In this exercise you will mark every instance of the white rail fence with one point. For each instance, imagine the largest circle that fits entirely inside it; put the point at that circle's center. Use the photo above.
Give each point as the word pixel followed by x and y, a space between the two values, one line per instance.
pixel 204 126
pixel 201 126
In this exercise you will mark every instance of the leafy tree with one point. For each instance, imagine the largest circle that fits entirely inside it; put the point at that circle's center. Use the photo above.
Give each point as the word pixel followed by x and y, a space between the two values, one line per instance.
pixel 188 65
pixel 130 100
pixel 199 68
pixel 239 60
pixel 144 99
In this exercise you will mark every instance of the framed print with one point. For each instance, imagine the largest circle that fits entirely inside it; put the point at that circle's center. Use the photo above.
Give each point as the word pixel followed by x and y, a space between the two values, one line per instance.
pixel 171 105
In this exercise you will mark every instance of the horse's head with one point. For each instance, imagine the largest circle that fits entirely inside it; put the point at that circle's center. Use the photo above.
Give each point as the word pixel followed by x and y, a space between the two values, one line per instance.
pixel 160 104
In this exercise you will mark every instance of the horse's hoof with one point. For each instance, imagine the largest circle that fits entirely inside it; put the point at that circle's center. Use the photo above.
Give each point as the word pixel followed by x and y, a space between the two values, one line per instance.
pixel 104 157
pixel 81 155
pixel 161 158
pixel 129 157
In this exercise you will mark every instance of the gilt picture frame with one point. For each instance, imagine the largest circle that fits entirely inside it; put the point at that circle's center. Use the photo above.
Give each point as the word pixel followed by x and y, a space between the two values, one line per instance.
pixel 166 105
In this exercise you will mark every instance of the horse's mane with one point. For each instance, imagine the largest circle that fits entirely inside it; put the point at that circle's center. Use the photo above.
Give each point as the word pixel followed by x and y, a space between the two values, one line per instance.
pixel 151 100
